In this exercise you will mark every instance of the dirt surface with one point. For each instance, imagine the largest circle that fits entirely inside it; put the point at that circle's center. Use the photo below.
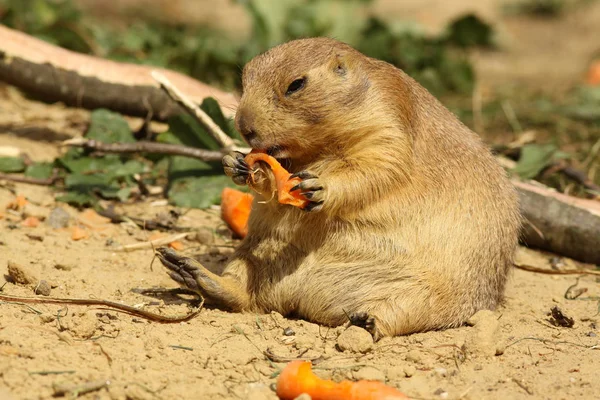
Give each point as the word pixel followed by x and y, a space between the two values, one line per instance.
pixel 221 355
pixel 513 353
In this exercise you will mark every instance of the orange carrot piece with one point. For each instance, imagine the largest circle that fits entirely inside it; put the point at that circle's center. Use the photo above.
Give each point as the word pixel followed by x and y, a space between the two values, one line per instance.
pixel 30 222
pixel 17 204
pixel 78 233
pixel 176 245
pixel 235 210
pixel 282 179
pixel 297 378
pixel 593 75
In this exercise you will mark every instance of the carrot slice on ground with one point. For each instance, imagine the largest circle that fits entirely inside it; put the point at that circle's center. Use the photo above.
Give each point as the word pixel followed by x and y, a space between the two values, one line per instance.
pixel 235 210
pixel 282 179
pixel 30 222
pixel 297 378
pixel 17 204
pixel 78 233
pixel 176 245
pixel 593 75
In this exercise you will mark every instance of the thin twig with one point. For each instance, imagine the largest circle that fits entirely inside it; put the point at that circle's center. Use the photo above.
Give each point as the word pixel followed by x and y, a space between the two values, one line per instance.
pixel 76 390
pixel 28 179
pixel 576 175
pixel 511 117
pixel 522 386
pixel 555 272
pixel 145 147
pixel 215 131
pixel 477 109
pixel 105 303
pixel 148 224
pixel 152 243
pixel 283 359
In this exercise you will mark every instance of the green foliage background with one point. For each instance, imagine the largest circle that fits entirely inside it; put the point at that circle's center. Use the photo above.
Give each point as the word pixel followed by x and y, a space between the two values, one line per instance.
pixel 439 62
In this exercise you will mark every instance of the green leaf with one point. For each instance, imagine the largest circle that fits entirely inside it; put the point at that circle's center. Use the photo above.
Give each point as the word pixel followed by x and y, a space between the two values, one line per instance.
pixel 78 199
pixel 469 31
pixel 109 127
pixel 90 164
pixel 129 168
pixel 11 164
pixel 534 158
pixel 211 107
pixel 199 192
pixel 87 183
pixel 187 131
pixel 39 170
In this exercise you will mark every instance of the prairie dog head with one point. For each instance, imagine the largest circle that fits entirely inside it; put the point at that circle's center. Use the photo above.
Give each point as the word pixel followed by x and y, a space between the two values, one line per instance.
pixel 298 97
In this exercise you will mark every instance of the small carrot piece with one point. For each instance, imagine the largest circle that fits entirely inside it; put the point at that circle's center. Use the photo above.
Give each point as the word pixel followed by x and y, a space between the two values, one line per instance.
pixel 282 179
pixel 78 233
pixel 176 245
pixel 593 75
pixel 30 222
pixel 18 203
pixel 297 378
pixel 235 210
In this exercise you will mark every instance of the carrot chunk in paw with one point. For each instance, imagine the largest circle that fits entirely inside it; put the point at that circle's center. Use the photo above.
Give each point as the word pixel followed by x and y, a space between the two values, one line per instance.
pixel 282 180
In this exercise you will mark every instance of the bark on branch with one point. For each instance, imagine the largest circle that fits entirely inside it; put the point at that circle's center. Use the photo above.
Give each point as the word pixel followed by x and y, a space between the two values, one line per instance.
pixel 80 80
pixel 559 223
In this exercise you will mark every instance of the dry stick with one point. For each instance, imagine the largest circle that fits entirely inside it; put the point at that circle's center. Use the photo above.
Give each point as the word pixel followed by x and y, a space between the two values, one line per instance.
pixel 33 181
pixel 214 129
pixel 145 147
pixel 577 175
pixel 152 243
pixel 105 303
pixel 556 272
pixel 76 390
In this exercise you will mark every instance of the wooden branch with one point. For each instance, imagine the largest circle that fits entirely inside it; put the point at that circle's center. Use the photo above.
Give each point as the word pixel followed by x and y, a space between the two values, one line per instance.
pixel 547 271
pixel 57 74
pixel 32 181
pixel 203 118
pixel 145 147
pixel 559 223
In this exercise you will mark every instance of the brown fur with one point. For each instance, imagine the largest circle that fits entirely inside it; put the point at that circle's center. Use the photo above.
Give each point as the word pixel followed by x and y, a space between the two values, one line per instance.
pixel 419 223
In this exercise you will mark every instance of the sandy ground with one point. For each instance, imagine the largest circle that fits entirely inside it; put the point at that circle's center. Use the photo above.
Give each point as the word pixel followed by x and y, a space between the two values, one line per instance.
pixel 220 355
pixel 514 353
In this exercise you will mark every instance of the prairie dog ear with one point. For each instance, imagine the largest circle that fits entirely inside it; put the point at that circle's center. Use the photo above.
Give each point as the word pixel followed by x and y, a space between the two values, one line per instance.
pixel 340 62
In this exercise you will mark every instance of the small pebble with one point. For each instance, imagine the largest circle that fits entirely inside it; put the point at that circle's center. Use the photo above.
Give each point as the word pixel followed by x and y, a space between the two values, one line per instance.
pixel 21 274
pixel 204 236
pixel 35 211
pixel 289 331
pixel 43 288
pixel 369 374
pixel 591 334
pixel 63 267
pixel 45 318
pixel 58 218
pixel 409 370
pixel 414 356
pixel 355 340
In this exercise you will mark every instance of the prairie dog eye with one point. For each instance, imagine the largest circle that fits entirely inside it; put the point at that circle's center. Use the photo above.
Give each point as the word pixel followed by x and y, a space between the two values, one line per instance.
pixel 295 86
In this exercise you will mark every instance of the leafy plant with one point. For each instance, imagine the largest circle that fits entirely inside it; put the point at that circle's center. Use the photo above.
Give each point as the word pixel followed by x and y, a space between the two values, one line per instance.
pixel 210 56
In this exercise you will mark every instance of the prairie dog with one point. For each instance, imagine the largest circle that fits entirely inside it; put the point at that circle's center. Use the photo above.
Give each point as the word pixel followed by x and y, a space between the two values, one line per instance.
pixel 412 224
